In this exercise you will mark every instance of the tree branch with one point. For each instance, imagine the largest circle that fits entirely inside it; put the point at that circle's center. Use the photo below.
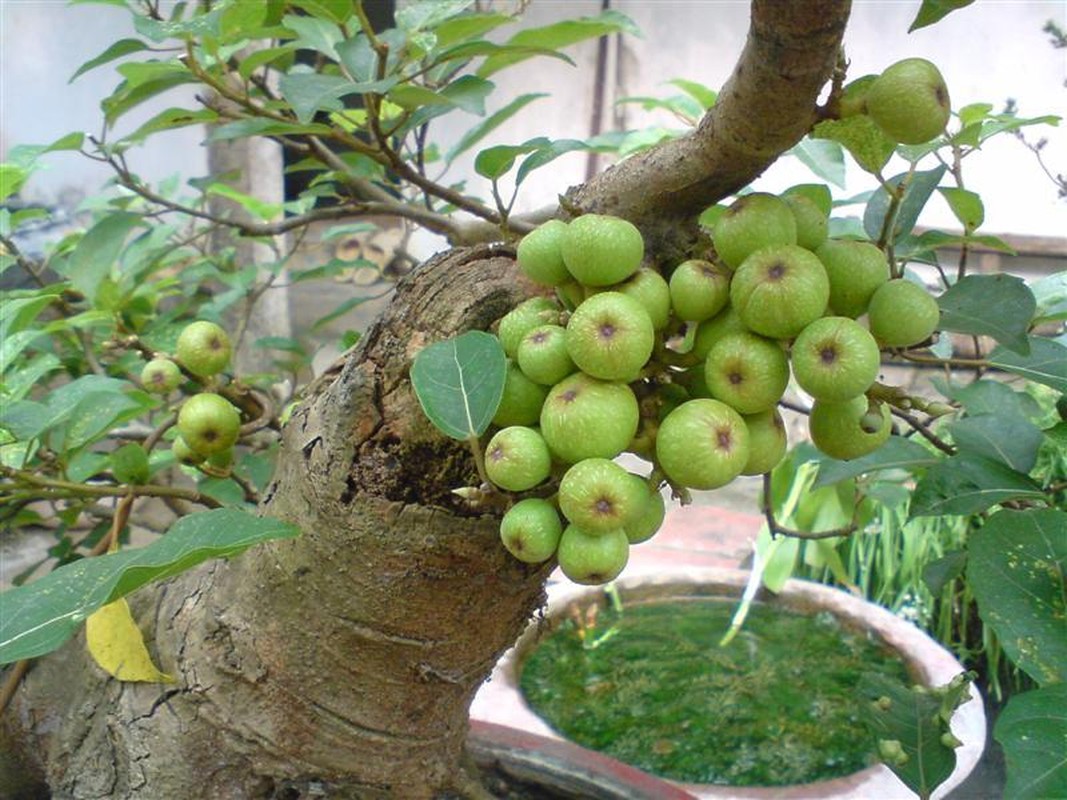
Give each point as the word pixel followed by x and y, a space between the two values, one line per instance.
pixel 767 106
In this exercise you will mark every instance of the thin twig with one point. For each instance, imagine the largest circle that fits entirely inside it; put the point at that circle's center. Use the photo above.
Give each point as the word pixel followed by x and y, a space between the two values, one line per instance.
pixel 777 529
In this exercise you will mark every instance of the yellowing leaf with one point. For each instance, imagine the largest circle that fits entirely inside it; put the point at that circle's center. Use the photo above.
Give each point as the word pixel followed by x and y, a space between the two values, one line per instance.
pixel 116 644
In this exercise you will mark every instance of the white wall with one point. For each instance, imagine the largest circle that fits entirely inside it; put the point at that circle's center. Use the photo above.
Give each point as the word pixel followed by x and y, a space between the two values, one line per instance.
pixel 42 43
pixel 990 51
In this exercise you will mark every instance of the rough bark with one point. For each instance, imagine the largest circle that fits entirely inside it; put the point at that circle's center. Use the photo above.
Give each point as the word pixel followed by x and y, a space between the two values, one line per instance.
pixel 347 658
pixel 768 104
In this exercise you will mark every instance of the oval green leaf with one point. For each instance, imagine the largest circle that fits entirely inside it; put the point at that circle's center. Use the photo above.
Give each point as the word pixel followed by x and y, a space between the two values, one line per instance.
pixel 1032 729
pixel 459 382
pixel 1015 567
pixel 1000 306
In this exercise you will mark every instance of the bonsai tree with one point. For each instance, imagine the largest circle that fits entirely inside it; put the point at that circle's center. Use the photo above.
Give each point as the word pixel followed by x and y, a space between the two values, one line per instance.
pixel 341 652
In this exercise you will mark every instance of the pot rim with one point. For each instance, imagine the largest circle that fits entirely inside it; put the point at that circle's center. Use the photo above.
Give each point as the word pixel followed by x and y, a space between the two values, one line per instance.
pixel 928 662
pixel 564 765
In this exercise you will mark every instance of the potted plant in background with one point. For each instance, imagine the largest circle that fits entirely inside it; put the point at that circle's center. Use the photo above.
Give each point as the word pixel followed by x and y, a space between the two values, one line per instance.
pixel 343 660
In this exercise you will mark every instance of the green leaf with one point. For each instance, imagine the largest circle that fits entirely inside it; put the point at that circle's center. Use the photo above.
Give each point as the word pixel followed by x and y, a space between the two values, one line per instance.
pixel 1046 363
pixel 704 95
pixel 196 26
pixel 931 240
pixel 966 484
pixel 459 383
pixel 547 154
pixel 358 57
pixel 129 464
pixel 18 383
pixel 469 26
pixel 1032 729
pixel 12 178
pixel 94 416
pixel 939 573
pixel 1000 306
pixel 314 33
pixel 123 47
pixel 339 11
pixel 1050 293
pixel 263 127
pixel 170 119
pixel 559 35
pixel 920 185
pixel 41 616
pixel 484 128
pixel 253 205
pixel 991 397
pixel 494 162
pixel 896 453
pixel 242 20
pixel 966 205
pixel 863 139
pixel 17 314
pixel 933 11
pixel 130 95
pixel 279 57
pixel 916 720
pixel 1015 569
pixel 1006 123
pixel 824 157
pixel 98 251
pixel 22 418
pixel 1006 437
pixel 308 92
pixel 424 14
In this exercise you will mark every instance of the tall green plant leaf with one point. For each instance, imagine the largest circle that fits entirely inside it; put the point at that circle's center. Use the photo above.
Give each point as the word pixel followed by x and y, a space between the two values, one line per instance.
pixel 459 383
pixel 41 616
pixel 1015 567
pixel 1000 306
pixel 1032 729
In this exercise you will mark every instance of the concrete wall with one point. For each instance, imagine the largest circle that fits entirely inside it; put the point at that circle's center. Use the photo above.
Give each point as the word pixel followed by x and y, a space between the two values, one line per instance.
pixel 42 44
pixel 990 51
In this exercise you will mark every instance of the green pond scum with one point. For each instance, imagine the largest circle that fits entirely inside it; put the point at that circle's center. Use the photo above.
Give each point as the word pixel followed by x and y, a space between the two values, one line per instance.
pixel 775 707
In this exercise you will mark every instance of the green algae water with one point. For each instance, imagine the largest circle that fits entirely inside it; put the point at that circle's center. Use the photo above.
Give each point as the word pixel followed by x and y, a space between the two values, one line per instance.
pixel 773 708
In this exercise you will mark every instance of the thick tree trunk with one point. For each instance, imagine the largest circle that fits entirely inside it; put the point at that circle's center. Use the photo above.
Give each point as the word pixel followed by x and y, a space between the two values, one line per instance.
pixel 347 658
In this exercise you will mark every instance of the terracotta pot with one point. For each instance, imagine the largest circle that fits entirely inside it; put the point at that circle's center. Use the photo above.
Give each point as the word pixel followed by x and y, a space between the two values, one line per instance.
pixel 929 664
pixel 563 767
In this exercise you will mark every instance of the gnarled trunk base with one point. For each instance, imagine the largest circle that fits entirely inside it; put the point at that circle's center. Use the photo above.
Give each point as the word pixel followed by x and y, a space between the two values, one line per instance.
pixel 340 664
